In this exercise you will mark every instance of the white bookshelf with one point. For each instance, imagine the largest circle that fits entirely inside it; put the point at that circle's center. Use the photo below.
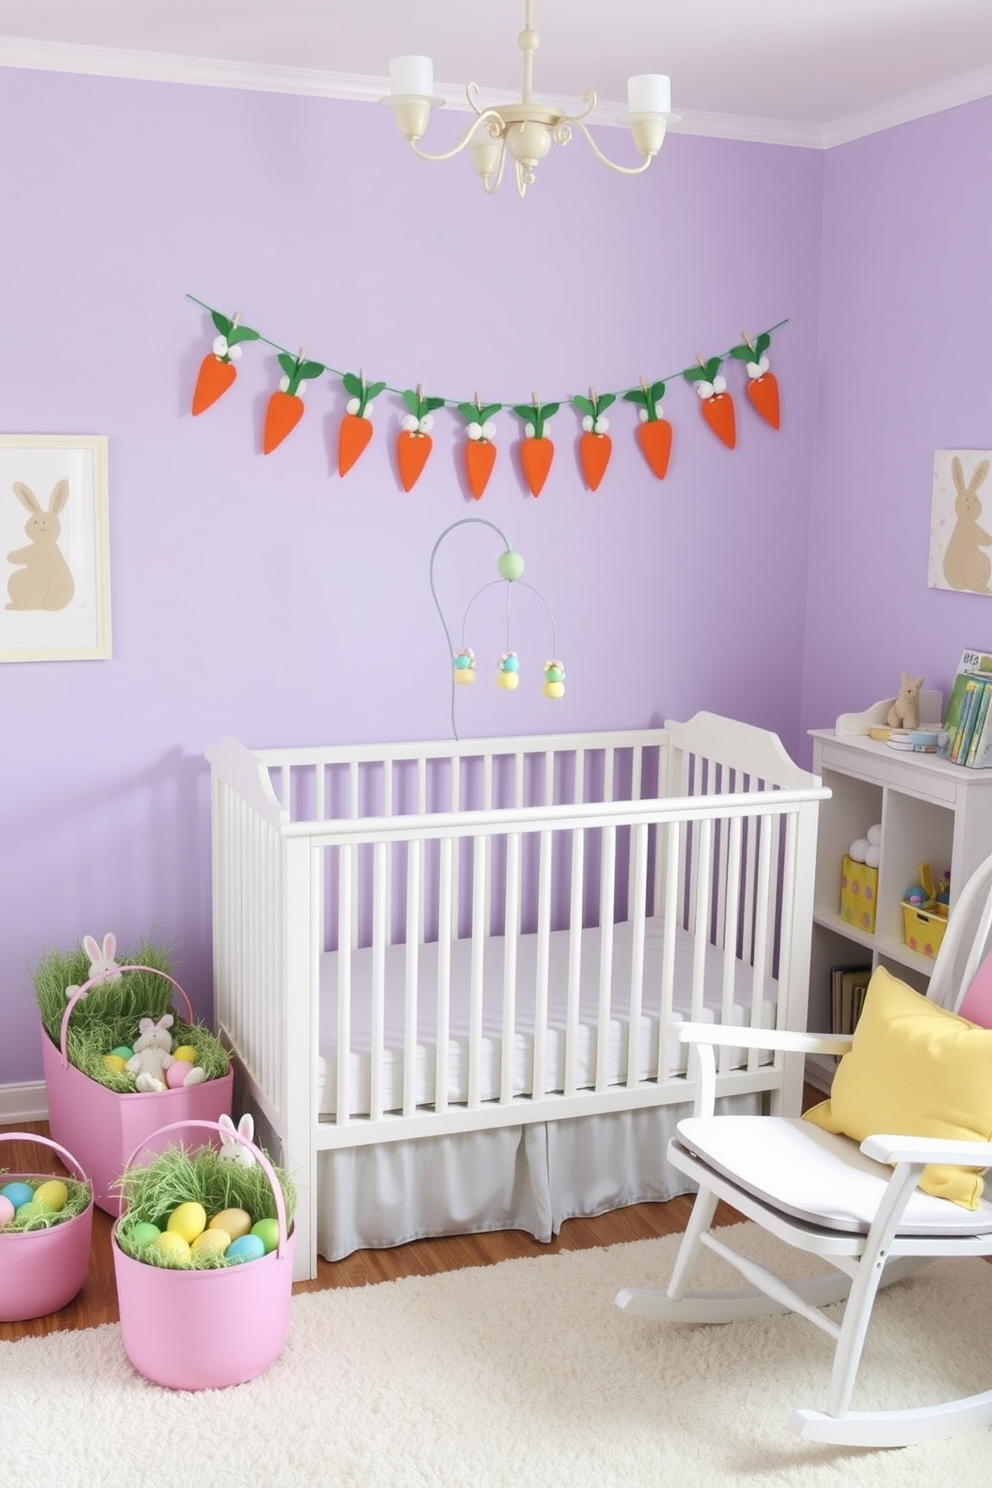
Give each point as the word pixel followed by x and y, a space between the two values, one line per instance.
pixel 931 811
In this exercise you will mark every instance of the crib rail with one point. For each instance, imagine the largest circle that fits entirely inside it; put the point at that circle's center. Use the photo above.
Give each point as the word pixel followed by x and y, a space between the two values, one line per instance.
pixel 540 911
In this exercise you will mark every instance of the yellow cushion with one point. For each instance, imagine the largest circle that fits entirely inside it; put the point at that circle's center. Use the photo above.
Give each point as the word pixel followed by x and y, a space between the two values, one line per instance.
pixel 914 1070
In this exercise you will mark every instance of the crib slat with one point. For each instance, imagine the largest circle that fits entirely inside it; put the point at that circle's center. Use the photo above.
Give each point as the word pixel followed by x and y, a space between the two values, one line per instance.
pixel 607 887
pixel 702 859
pixel 377 1034
pixel 638 896
pixel 347 863
pixel 764 926
pixel 511 942
pixel 443 977
pixel 574 961
pixel 544 875
pixel 411 972
pixel 674 850
pixel 477 971
pixel 730 870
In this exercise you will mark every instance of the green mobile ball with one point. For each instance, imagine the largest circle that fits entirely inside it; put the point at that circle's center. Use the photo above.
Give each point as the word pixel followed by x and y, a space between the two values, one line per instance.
pixel 510 565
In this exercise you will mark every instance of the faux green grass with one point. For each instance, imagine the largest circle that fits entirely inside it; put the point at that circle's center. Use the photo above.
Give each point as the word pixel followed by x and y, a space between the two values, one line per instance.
pixel 109 1015
pixel 80 1195
pixel 179 1176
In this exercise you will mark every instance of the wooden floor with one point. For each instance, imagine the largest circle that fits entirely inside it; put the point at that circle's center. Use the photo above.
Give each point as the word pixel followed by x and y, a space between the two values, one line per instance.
pixel 97 1302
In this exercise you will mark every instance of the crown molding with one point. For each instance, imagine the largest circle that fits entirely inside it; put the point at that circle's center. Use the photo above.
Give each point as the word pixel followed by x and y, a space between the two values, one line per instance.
pixel 266 78
pixel 967 88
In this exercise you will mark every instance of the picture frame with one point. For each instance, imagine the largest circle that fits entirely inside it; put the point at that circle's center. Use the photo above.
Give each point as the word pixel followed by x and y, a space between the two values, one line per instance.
pixel 54 548
pixel 960 538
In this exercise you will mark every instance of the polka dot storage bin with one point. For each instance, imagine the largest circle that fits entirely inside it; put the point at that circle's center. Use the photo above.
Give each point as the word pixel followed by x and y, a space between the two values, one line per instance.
pixel 858 894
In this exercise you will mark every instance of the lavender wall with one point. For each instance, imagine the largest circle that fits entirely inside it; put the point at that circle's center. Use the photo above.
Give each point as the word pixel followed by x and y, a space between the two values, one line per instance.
pixel 904 371
pixel 264 596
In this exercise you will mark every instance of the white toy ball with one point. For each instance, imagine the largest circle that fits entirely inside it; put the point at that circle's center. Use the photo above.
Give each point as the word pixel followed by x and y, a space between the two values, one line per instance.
pixel 875 835
pixel 859 849
pixel 872 856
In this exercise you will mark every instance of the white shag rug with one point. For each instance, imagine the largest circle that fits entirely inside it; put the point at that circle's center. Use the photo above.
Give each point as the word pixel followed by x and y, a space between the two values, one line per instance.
pixel 521 1375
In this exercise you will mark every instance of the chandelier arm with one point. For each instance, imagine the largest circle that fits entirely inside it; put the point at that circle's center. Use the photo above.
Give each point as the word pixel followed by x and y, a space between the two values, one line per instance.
pixel 590 99
pixel 623 170
pixel 466 138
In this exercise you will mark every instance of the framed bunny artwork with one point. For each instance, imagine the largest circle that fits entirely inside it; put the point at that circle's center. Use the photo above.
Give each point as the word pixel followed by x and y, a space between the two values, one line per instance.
pixel 54 548
pixel 960 537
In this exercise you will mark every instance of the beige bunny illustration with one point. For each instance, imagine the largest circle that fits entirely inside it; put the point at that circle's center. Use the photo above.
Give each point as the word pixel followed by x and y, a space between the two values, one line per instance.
pixel 965 565
pixel 45 581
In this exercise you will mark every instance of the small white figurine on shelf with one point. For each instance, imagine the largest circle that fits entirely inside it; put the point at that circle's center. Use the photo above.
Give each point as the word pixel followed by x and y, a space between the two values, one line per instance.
pixel 101 960
pixel 905 710
pixel 232 1150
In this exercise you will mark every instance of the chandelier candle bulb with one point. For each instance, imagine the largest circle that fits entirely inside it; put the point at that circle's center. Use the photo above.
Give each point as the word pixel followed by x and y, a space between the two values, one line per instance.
pixel 649 93
pixel 411 77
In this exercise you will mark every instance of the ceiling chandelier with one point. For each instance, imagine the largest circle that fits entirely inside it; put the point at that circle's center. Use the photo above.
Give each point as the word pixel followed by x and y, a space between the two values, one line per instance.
pixel 526 130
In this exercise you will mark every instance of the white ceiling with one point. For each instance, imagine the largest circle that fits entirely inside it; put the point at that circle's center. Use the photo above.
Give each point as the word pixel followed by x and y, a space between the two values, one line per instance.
pixel 810 71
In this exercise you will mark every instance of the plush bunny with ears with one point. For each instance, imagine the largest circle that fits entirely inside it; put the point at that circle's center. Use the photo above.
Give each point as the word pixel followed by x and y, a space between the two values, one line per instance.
pixel 101 960
pixel 232 1150
pixel 152 1054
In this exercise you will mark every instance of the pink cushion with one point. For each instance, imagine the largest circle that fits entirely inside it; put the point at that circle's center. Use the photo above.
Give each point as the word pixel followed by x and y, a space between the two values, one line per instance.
pixel 977 1003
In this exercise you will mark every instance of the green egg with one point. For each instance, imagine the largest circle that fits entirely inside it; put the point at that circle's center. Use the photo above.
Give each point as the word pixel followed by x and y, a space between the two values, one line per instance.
pixel 123 1052
pixel 267 1231
pixel 145 1232
pixel 32 1210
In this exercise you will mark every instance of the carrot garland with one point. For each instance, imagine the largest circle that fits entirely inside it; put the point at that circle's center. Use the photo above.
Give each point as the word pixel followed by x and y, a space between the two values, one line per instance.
pixel 414 442
pixel 762 385
pixel 217 370
pixel 285 406
pixel 480 452
pixel 654 432
pixel 595 445
pixel 356 426
pixel 715 403
pixel 536 450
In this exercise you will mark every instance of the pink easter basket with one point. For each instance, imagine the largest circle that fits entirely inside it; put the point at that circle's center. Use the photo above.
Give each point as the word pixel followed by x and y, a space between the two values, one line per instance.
pixel 206 1330
pixel 42 1270
pixel 105 1125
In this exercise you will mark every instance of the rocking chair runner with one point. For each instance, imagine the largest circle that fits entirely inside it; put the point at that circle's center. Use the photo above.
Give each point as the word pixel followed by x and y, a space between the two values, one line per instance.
pixel 855 1202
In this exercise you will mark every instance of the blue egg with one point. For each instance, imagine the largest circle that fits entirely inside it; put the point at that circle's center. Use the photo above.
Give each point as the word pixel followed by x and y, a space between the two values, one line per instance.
pixel 247 1248
pixel 18 1193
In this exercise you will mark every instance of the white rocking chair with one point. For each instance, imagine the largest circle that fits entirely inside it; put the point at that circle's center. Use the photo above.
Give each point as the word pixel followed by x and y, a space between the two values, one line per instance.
pixel 859 1206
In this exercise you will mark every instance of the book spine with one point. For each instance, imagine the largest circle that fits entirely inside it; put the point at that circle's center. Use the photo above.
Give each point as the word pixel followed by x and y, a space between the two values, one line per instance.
pixel 981 714
pixel 963 735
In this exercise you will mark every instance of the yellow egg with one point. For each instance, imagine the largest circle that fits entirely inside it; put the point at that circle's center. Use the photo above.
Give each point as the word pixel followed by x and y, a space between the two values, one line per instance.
pixel 212 1242
pixel 186 1052
pixel 174 1246
pixel 234 1222
pixel 51 1195
pixel 114 1062
pixel 188 1220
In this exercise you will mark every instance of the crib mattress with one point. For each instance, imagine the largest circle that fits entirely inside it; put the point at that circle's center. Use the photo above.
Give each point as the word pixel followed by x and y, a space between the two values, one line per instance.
pixel 673 1055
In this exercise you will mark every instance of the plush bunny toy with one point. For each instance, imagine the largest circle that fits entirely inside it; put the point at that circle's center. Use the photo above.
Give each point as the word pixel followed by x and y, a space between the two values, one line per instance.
pixel 153 1056
pixel 232 1150
pixel 101 960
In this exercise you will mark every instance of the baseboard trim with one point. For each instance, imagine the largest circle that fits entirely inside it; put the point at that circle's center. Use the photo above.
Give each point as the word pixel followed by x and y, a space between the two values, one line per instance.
pixel 28 1102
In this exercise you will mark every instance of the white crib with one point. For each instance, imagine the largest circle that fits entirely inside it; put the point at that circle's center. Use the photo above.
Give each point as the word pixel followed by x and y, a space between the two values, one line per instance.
pixel 539 909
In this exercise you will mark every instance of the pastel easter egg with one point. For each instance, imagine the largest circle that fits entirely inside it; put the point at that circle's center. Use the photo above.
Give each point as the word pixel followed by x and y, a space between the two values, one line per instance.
pixel 172 1245
pixel 115 1062
pixel 145 1233
pixel 187 1220
pixel 185 1052
pixel 267 1231
pixel 175 1075
pixel 246 1248
pixel 211 1242
pixel 19 1193
pixel 235 1222
pixel 53 1195
pixel 6 1210
pixel 123 1052
pixel 32 1211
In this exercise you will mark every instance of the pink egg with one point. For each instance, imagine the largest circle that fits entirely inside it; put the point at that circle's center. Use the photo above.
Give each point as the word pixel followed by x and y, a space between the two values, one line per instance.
pixel 176 1073
pixel 6 1210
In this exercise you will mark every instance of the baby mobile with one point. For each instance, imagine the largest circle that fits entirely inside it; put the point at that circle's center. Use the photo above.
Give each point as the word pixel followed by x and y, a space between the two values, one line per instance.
pixel 509 569
pixel 536 447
